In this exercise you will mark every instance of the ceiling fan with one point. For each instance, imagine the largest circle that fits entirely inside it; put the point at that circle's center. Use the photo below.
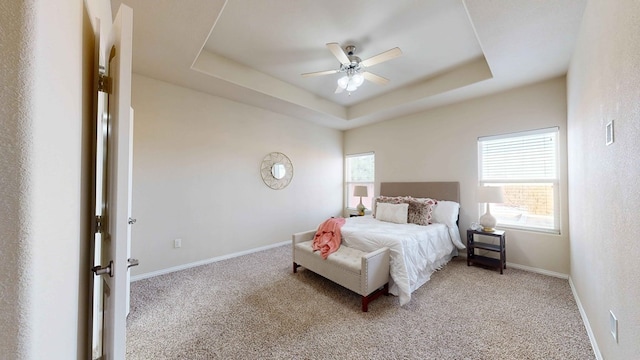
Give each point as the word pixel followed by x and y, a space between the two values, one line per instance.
pixel 353 67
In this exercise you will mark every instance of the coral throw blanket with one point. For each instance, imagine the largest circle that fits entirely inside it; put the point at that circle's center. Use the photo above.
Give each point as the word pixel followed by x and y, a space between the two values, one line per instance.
pixel 328 238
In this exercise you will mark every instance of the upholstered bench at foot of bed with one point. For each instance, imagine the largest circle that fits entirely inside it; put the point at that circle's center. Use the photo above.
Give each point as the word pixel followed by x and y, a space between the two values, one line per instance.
pixel 364 273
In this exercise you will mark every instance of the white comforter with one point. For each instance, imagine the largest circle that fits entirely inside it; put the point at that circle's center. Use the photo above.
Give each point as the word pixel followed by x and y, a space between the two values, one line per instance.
pixel 415 251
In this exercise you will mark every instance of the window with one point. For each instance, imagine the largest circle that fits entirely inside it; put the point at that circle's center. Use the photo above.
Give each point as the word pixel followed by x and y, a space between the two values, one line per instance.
pixel 359 170
pixel 525 164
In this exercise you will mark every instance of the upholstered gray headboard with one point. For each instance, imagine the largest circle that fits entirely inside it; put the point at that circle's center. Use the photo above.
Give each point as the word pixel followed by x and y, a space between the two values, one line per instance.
pixel 434 190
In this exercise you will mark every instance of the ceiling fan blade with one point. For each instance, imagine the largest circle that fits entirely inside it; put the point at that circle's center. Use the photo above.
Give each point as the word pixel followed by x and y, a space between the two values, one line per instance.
pixel 339 53
pixel 387 55
pixel 318 73
pixel 375 78
pixel 339 90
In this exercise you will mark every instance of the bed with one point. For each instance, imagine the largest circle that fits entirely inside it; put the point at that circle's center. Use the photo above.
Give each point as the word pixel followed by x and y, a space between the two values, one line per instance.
pixel 416 251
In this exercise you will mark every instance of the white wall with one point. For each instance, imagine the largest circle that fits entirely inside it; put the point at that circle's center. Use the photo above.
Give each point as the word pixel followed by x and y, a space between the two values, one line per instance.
pixel 441 145
pixel 604 181
pixel 46 57
pixel 197 176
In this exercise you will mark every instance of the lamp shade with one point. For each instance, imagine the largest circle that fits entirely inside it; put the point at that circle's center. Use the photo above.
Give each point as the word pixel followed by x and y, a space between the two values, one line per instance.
pixel 360 190
pixel 490 194
pixel 358 79
pixel 352 86
pixel 343 82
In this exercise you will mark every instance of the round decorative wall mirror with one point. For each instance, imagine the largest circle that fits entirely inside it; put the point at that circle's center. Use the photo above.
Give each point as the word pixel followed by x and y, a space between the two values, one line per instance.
pixel 276 170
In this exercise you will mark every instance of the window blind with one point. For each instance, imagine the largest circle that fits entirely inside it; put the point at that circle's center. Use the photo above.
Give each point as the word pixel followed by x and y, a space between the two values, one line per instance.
pixel 530 156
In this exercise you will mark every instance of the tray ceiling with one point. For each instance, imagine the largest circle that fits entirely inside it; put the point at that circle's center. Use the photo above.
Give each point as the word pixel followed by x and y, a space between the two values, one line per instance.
pixel 254 51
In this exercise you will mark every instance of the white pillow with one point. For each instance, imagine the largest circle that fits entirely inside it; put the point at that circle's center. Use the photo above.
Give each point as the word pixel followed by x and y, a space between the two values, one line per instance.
pixel 445 212
pixel 395 213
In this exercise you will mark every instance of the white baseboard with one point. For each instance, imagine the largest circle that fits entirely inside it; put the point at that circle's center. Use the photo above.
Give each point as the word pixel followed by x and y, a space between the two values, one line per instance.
pixel 204 262
pixel 585 320
pixel 538 270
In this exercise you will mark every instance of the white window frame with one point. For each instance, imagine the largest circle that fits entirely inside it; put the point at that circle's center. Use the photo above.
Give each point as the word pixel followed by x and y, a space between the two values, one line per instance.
pixel 551 178
pixel 348 185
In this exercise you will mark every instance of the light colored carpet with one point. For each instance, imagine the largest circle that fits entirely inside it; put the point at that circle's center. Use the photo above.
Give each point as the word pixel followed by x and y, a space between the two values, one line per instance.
pixel 254 307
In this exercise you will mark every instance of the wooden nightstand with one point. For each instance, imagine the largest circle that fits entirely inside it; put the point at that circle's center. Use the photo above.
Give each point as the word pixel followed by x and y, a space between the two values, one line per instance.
pixel 472 258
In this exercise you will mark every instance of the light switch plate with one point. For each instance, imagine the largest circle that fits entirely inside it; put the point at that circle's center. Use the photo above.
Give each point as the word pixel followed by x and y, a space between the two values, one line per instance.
pixel 609 134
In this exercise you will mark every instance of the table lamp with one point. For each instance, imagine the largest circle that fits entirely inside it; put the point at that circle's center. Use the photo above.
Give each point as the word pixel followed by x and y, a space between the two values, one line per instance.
pixel 360 190
pixel 488 195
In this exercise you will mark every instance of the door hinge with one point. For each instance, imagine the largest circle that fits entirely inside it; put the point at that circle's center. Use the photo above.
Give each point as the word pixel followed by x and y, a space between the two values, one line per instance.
pixel 99 224
pixel 106 270
pixel 105 83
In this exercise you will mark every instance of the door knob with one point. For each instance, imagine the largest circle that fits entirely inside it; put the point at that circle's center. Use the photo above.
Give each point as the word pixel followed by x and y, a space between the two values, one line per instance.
pixel 133 262
pixel 132 221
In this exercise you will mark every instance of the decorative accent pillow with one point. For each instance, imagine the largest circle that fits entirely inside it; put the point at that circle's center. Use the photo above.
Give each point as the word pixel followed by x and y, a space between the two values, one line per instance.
pixel 387 200
pixel 420 210
pixel 395 213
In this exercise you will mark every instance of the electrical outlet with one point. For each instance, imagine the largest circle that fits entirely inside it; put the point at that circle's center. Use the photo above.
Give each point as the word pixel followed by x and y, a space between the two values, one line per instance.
pixel 613 323
pixel 177 243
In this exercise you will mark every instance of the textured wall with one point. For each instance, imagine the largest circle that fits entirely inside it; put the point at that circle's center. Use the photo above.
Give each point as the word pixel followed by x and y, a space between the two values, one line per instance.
pixel 604 181
pixel 441 145
pixel 16 47
pixel 42 170
pixel 196 177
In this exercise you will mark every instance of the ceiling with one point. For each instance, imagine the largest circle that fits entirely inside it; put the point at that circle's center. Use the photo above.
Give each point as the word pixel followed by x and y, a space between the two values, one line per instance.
pixel 254 51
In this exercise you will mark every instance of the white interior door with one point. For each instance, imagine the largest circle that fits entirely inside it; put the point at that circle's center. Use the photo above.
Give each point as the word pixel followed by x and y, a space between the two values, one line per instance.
pixel 113 159
pixel 131 219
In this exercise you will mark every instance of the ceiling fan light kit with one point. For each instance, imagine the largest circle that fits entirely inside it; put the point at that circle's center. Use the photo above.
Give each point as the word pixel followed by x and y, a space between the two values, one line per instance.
pixel 351 81
pixel 353 67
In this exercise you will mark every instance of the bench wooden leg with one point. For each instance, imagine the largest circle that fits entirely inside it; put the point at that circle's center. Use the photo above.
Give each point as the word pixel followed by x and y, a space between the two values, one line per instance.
pixel 295 267
pixel 374 295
